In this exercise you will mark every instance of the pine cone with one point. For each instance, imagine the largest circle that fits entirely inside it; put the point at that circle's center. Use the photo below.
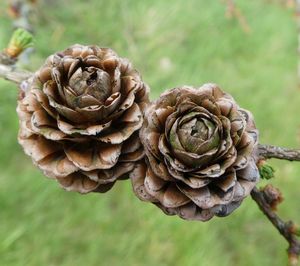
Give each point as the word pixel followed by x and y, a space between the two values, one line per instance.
pixel 80 116
pixel 200 152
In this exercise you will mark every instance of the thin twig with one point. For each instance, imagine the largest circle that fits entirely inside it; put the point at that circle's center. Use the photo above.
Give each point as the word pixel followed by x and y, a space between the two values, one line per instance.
pixel 286 229
pixel 10 73
pixel 20 41
pixel 22 12
pixel 270 151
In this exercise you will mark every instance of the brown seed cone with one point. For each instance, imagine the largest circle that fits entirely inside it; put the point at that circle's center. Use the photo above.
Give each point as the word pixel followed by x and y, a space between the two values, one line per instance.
pixel 80 116
pixel 200 153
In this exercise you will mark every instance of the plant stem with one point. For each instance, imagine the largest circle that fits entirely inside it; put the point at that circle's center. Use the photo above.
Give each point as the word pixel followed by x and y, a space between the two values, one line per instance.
pixel 286 229
pixel 12 74
pixel 270 151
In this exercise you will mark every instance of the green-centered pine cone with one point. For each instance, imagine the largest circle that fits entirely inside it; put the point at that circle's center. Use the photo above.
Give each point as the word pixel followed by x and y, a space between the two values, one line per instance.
pixel 80 116
pixel 200 153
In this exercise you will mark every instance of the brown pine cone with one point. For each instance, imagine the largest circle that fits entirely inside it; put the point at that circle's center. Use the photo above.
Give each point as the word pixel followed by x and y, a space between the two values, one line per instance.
pixel 80 116
pixel 200 153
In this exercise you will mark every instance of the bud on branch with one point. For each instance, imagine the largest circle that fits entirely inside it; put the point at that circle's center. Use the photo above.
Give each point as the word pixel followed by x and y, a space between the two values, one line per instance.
pixel 19 42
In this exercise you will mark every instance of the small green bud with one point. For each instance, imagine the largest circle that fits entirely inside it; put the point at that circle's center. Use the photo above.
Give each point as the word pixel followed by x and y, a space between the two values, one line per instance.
pixel 20 40
pixel 266 171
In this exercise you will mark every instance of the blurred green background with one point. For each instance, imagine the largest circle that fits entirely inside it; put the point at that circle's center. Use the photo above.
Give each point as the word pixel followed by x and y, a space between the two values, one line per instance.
pixel 172 43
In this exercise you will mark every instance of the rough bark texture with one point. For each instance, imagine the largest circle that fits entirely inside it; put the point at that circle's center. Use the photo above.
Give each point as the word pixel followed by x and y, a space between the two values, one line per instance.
pixel 286 229
pixel 270 151
pixel 13 74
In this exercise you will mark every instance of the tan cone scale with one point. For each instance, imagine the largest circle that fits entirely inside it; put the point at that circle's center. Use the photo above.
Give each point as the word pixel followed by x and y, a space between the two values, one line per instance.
pixel 80 116
pixel 200 153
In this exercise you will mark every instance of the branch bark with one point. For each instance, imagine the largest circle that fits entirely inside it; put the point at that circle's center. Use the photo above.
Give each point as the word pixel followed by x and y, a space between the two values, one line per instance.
pixel 286 229
pixel 11 73
pixel 270 151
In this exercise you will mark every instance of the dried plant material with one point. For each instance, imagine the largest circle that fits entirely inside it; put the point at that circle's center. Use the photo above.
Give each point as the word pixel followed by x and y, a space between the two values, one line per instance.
pixel 273 196
pixel 201 153
pixel 80 115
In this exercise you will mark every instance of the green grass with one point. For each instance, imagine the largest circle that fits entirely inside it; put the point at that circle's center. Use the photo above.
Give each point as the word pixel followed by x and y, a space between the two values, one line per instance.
pixel 172 43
